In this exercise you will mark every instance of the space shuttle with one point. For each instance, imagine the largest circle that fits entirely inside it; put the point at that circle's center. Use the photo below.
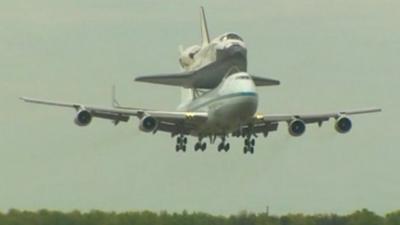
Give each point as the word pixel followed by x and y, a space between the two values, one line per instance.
pixel 205 65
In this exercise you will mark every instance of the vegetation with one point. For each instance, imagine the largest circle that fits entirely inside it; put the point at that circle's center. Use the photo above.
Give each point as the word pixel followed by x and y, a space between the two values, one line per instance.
pixel 45 217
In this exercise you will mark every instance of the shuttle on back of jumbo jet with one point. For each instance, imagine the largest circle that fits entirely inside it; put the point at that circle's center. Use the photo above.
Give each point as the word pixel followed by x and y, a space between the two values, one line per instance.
pixel 219 100
pixel 206 64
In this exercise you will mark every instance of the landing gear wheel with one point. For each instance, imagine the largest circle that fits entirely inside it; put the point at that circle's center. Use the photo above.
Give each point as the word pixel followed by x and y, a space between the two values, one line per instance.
pixel 249 145
pixel 226 147
pixel 181 143
pixel 220 147
pixel 203 147
pixel 197 146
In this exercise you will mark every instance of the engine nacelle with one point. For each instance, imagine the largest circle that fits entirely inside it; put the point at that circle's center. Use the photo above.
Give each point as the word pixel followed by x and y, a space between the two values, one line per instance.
pixel 297 127
pixel 343 124
pixel 187 56
pixel 83 118
pixel 148 124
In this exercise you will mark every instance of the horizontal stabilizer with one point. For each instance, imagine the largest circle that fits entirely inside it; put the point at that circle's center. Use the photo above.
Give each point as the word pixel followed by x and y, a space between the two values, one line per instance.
pixel 261 81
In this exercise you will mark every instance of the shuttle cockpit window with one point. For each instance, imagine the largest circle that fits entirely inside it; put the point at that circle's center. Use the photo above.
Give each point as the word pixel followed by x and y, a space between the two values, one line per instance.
pixel 231 36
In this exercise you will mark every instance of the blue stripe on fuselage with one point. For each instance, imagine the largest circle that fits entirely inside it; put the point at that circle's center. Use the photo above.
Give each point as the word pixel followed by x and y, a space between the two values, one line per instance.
pixel 238 94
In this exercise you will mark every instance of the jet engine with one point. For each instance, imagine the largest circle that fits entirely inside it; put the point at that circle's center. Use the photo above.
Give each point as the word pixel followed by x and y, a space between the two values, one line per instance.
pixel 187 55
pixel 83 118
pixel 297 127
pixel 148 124
pixel 343 124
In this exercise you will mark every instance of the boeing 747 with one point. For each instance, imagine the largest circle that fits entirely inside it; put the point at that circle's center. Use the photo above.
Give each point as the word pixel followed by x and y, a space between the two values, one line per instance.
pixel 221 101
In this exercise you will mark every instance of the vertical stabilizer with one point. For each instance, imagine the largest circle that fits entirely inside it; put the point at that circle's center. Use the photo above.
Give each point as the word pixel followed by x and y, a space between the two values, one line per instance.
pixel 186 96
pixel 205 38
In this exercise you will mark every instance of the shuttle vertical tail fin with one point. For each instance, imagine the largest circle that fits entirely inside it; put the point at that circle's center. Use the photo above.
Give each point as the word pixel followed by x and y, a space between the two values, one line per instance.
pixel 204 29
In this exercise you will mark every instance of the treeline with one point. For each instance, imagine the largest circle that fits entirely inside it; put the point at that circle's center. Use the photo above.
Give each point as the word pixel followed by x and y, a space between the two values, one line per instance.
pixel 46 217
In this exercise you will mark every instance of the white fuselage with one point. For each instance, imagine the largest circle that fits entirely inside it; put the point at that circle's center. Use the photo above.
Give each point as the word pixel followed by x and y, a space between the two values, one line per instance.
pixel 233 103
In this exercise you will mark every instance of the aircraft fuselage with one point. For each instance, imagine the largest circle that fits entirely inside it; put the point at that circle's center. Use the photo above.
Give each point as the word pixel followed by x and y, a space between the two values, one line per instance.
pixel 232 103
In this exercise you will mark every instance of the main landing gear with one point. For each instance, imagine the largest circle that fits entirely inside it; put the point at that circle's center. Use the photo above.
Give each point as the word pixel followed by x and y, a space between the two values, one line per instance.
pixel 200 146
pixel 249 145
pixel 181 142
pixel 223 146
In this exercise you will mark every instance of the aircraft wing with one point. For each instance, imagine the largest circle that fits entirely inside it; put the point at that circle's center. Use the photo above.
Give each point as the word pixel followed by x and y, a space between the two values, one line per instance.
pixel 169 121
pixel 267 123
pixel 313 118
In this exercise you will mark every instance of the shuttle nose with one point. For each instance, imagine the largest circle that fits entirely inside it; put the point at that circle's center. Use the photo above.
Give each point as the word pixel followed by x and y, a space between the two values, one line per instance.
pixel 236 48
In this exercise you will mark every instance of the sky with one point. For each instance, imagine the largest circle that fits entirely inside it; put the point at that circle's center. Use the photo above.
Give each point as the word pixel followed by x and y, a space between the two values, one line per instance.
pixel 328 55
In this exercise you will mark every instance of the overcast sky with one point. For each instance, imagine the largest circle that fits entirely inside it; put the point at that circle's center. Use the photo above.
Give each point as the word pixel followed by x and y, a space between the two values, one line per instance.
pixel 328 55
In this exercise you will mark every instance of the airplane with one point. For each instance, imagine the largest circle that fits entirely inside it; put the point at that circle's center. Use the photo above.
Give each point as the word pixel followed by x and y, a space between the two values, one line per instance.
pixel 215 109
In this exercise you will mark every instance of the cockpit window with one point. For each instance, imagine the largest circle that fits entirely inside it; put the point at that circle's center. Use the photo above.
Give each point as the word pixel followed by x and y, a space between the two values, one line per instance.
pixel 231 36
pixel 242 77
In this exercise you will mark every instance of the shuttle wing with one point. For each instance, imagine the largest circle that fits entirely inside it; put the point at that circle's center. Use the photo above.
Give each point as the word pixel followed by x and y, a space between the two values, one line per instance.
pixel 184 79
pixel 204 78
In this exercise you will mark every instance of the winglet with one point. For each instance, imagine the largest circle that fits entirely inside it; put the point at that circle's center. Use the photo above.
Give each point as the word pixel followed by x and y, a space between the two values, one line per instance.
pixel 114 101
pixel 204 30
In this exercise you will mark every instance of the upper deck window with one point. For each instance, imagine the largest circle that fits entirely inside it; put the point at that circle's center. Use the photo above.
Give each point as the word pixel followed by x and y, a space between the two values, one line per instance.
pixel 242 77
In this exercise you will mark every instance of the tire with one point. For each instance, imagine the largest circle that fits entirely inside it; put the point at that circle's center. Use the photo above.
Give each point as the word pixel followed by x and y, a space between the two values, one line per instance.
pixel 203 147
pixel 226 147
